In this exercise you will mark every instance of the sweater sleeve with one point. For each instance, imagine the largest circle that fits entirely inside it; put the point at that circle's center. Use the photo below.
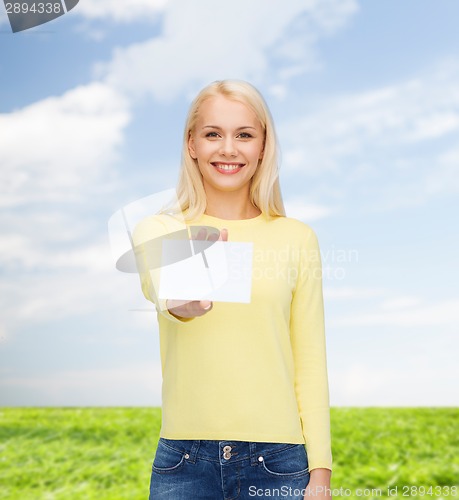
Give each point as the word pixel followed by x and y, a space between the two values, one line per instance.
pixel 145 232
pixel 307 327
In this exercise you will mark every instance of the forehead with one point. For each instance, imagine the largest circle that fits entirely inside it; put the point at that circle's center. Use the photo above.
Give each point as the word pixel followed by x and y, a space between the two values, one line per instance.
pixel 224 112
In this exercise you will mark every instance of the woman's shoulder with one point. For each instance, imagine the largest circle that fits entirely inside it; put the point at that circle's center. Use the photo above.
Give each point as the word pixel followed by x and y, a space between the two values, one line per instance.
pixel 295 226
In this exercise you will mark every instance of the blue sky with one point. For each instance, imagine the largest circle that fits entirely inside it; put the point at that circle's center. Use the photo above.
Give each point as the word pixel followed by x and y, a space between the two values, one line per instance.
pixel 365 96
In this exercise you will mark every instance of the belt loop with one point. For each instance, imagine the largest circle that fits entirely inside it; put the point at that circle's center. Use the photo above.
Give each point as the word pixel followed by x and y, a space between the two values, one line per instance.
pixel 194 450
pixel 253 453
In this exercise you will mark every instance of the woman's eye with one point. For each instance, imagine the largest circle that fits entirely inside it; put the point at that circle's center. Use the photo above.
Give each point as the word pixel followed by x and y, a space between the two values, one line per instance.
pixel 245 135
pixel 212 134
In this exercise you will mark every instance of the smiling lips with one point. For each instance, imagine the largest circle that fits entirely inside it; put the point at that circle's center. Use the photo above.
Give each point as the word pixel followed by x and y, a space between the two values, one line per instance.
pixel 227 168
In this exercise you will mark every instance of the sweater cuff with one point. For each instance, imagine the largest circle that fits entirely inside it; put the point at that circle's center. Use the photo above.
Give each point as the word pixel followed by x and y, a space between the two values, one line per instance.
pixel 316 432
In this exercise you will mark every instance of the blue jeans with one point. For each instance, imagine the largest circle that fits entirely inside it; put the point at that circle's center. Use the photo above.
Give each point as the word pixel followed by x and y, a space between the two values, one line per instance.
pixel 228 470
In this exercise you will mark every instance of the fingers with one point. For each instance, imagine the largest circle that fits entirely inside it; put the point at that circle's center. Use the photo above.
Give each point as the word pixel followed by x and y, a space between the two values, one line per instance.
pixel 188 309
pixel 202 234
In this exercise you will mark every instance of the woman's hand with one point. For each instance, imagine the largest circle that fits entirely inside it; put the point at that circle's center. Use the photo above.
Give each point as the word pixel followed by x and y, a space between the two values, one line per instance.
pixel 188 309
pixel 191 309
pixel 319 485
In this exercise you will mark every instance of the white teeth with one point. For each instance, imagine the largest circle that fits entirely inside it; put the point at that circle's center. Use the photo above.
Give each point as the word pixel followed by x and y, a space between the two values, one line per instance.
pixel 227 167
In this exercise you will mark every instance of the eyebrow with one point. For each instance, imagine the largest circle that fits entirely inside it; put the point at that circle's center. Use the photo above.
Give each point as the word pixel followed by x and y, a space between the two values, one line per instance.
pixel 219 128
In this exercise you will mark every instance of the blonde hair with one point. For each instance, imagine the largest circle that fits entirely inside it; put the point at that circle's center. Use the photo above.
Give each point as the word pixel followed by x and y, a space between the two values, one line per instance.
pixel 265 193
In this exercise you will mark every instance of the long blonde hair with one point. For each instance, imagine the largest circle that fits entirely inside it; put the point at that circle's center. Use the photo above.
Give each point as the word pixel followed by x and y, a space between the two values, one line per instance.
pixel 265 193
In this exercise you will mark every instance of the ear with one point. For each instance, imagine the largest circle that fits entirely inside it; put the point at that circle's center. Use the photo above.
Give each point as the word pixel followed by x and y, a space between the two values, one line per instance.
pixel 191 149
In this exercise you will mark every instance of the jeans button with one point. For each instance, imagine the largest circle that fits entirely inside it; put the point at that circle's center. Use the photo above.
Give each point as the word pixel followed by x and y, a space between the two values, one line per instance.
pixel 227 449
pixel 227 455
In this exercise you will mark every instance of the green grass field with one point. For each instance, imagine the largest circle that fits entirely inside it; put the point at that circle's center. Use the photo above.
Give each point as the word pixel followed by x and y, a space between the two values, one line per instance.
pixel 106 453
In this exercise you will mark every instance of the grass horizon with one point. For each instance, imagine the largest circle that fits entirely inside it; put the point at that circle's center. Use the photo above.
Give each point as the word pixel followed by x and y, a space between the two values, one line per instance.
pixel 106 452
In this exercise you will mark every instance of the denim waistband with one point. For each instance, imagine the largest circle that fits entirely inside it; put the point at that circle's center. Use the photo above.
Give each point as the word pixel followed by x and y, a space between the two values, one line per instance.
pixel 214 450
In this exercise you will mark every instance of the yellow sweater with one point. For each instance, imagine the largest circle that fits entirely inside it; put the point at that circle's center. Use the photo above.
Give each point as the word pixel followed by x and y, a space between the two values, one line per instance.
pixel 256 371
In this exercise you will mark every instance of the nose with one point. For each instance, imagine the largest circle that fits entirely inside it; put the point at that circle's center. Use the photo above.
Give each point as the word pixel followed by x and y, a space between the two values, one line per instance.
pixel 228 147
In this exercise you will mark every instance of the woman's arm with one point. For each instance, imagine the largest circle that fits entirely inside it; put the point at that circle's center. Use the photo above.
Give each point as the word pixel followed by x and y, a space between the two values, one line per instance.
pixel 148 266
pixel 307 329
pixel 152 228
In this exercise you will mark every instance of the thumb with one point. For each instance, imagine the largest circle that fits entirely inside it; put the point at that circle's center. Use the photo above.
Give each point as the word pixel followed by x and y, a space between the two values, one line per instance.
pixel 205 304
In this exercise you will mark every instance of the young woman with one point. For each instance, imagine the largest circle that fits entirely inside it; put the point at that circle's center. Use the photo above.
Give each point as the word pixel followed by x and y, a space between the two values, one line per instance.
pixel 245 390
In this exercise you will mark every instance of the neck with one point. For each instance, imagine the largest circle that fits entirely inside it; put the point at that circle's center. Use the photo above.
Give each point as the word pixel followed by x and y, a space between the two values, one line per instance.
pixel 230 205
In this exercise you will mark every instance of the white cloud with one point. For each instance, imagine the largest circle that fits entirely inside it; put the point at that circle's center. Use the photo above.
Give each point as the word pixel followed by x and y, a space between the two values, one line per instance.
pixel 111 10
pixel 138 384
pixel 53 148
pixel 368 144
pixel 3 334
pixel 400 303
pixel 134 10
pixel 412 111
pixel 352 293
pixel 45 280
pixel 445 313
pixel 299 209
pixel 29 243
pixel 434 125
pixel 56 160
pixel 279 91
pixel 204 41
pixel 47 296
pixel 444 179
pixel 399 381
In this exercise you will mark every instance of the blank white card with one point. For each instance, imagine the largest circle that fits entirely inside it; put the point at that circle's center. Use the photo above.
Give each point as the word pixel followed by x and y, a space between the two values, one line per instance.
pixel 222 272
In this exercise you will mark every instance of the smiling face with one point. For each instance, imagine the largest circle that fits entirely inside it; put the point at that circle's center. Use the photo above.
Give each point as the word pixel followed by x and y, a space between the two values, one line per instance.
pixel 227 142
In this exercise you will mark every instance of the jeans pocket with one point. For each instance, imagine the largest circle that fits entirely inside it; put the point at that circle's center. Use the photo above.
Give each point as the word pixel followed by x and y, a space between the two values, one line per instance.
pixel 288 463
pixel 167 459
